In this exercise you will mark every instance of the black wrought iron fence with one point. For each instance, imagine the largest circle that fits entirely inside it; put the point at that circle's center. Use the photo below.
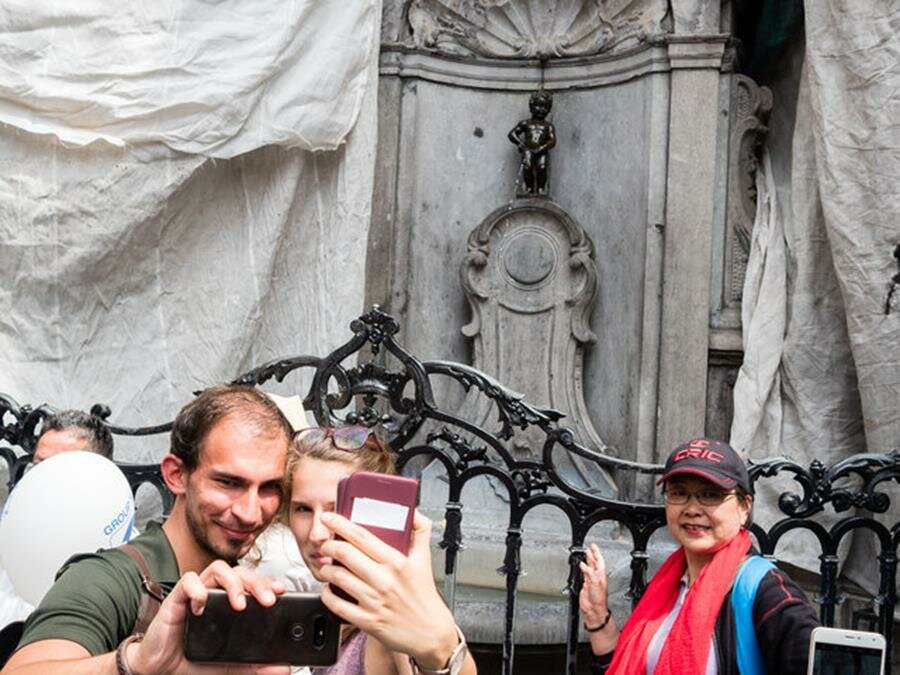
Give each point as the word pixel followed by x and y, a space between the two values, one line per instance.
pixel 371 380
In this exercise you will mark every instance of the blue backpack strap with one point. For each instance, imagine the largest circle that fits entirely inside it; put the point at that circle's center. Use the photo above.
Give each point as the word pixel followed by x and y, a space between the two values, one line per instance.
pixel 743 594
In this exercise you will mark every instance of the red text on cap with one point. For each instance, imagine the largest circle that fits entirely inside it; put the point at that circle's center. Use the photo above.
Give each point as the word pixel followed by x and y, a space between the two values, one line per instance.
pixel 702 453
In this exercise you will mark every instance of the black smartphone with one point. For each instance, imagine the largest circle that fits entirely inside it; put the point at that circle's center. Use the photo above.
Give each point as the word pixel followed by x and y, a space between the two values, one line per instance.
pixel 298 629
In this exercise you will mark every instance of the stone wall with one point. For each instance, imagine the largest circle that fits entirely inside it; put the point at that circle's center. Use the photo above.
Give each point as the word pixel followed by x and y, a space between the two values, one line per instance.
pixel 650 123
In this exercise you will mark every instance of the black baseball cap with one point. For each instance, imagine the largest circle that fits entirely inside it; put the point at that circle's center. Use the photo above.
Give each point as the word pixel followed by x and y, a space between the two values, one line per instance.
pixel 716 461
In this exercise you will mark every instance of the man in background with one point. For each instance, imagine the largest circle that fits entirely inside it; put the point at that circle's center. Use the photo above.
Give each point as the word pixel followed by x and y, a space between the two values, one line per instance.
pixel 73 430
pixel 66 431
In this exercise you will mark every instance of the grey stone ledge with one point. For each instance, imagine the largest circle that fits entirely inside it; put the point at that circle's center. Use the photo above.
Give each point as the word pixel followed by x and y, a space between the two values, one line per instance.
pixel 510 75
pixel 662 54
pixel 697 51
pixel 539 620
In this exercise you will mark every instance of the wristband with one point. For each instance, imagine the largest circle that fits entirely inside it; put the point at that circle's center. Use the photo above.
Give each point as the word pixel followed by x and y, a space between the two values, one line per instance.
pixel 122 662
pixel 594 629
pixel 454 664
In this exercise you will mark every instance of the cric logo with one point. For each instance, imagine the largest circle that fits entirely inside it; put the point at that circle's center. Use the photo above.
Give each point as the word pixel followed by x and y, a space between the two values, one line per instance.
pixel 699 449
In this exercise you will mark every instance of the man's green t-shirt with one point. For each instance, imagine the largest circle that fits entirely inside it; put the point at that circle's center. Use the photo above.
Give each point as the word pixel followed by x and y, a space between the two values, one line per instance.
pixel 96 597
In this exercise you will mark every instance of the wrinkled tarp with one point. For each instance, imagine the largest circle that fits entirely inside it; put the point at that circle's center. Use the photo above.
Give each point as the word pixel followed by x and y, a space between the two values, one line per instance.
pixel 134 281
pixel 822 375
pixel 212 78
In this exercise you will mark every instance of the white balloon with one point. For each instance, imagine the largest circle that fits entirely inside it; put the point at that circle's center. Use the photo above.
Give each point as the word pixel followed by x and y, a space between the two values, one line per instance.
pixel 73 502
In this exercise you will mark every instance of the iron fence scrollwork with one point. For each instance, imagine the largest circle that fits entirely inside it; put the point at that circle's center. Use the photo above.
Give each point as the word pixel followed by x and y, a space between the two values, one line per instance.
pixel 390 390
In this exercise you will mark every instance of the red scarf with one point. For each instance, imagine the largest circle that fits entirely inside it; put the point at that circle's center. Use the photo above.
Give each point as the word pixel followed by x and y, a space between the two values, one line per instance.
pixel 686 649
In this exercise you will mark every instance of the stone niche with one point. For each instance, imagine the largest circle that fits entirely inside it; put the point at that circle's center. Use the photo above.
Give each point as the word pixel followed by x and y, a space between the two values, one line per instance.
pixel 636 334
pixel 450 165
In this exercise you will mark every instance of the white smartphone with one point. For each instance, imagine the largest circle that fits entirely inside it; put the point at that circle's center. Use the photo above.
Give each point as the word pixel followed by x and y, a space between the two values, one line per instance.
pixel 836 651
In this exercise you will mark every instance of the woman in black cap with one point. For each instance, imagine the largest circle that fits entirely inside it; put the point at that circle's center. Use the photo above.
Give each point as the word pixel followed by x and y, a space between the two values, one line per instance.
pixel 714 606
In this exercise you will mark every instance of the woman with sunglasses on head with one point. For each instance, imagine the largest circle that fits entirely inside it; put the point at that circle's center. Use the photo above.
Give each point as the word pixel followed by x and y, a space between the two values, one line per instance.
pixel 715 606
pixel 399 622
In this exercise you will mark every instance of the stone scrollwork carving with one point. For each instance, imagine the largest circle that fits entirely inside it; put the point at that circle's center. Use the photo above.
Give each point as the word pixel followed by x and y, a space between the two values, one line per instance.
pixel 533 29
pixel 750 108
pixel 531 280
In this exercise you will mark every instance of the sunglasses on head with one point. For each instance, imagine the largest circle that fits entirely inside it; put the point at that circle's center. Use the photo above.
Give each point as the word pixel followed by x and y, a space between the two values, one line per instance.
pixel 343 438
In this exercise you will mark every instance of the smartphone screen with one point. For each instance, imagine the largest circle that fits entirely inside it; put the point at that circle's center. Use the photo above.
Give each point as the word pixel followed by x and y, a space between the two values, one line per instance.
pixel 832 659
pixel 839 651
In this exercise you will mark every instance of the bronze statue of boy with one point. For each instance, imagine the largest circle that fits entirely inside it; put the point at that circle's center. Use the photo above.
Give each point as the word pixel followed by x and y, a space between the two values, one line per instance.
pixel 534 137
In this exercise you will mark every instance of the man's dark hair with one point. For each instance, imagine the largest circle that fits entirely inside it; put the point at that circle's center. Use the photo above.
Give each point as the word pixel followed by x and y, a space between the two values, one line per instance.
pixel 89 428
pixel 194 422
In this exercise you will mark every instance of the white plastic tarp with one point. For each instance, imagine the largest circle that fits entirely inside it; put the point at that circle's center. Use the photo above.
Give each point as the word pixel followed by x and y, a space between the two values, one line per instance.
pixel 821 376
pixel 136 272
pixel 212 78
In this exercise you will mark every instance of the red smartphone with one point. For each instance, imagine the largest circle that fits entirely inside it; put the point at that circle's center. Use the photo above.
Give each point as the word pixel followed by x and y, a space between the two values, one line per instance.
pixel 381 503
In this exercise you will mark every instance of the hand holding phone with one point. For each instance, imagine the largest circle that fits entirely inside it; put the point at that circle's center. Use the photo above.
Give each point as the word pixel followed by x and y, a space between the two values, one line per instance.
pixel 298 629
pixel 399 604
pixel 381 503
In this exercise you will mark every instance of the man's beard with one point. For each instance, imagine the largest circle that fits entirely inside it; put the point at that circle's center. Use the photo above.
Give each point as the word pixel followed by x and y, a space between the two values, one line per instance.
pixel 229 555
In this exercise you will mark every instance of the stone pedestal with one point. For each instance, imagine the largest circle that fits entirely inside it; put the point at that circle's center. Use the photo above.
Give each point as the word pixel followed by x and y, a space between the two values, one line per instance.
pixel 531 281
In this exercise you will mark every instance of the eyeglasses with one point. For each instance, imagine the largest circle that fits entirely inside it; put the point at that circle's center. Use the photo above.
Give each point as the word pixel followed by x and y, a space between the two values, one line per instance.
pixel 679 496
pixel 343 438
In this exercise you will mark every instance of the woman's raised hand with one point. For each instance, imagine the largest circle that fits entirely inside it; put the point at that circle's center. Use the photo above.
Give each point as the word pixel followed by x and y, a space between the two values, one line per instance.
pixel 594 603
pixel 594 596
pixel 398 602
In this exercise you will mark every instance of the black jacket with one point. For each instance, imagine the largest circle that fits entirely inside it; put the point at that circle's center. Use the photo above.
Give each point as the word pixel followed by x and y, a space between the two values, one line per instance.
pixel 783 618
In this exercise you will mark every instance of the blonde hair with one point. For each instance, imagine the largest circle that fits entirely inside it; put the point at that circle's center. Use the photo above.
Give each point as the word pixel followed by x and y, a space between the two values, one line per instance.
pixel 373 456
